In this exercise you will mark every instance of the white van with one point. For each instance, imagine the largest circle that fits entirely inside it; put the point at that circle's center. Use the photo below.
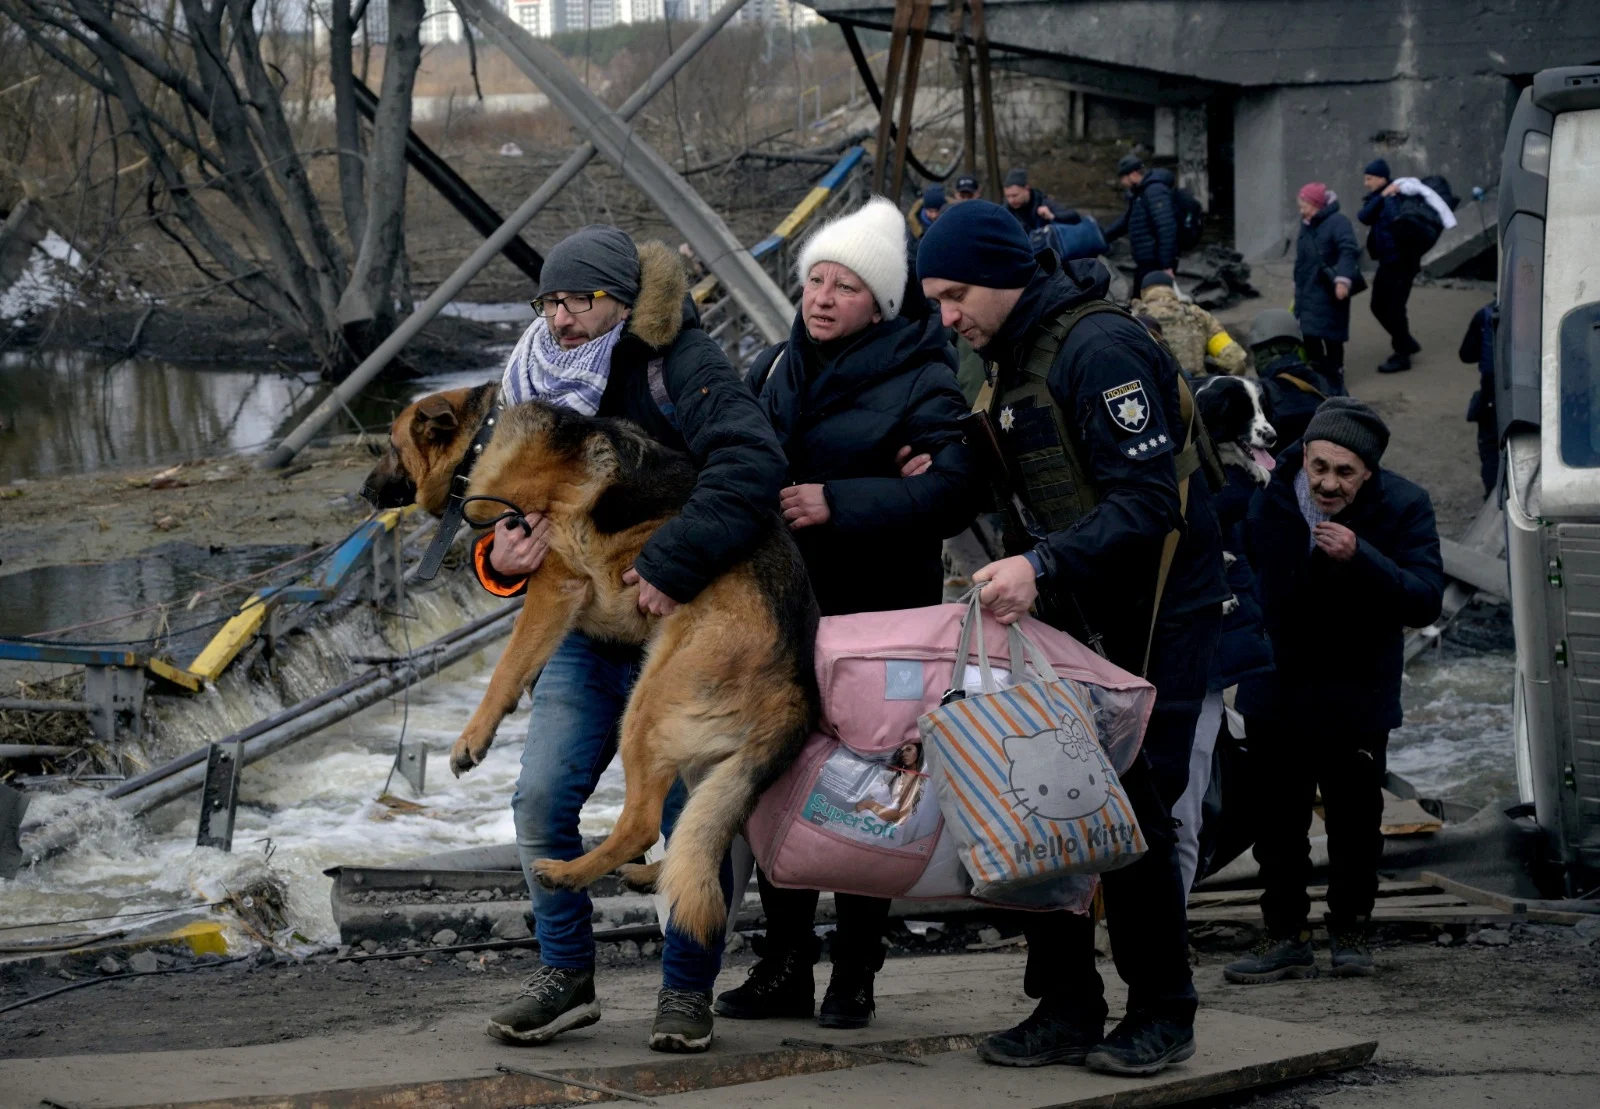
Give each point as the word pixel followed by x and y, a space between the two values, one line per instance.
pixel 1547 371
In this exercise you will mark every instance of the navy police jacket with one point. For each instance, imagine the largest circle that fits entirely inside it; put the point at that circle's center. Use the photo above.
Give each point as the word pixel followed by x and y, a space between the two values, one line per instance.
pixel 1119 391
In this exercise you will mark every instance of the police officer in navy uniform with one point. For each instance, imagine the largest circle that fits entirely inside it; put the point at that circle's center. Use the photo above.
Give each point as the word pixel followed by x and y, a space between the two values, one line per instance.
pixel 1087 408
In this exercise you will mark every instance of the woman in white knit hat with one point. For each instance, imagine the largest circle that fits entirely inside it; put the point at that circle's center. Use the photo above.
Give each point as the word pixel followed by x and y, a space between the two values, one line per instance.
pixel 864 399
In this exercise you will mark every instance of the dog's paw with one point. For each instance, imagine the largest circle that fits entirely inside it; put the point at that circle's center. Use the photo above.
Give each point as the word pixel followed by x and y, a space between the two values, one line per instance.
pixel 640 877
pixel 468 752
pixel 553 874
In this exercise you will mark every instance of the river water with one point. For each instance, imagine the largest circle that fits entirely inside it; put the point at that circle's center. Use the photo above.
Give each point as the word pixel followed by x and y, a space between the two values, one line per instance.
pixel 314 806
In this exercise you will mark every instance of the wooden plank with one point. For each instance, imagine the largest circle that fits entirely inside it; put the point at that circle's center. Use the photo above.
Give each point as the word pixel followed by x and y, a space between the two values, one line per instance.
pixel 1474 894
pixel 230 639
pixel 1477 569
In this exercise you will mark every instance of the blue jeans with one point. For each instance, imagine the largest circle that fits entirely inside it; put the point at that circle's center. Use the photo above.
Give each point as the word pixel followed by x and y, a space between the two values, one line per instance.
pixel 572 737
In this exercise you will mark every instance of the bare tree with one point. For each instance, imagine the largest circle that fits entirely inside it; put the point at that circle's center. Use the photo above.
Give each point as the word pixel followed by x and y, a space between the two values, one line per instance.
pixel 204 99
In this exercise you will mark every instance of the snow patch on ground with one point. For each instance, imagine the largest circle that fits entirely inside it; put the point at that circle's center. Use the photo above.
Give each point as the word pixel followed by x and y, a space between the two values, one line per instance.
pixel 49 280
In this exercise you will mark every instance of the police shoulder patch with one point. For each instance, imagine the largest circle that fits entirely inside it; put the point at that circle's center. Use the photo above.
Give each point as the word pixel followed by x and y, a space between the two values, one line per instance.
pixel 1128 406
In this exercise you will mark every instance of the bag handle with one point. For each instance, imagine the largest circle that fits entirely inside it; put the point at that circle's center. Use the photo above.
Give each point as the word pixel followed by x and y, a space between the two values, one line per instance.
pixel 971 636
pixel 1025 650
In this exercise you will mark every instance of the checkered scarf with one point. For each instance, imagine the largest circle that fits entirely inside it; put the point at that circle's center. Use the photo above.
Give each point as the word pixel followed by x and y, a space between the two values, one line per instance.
pixel 540 370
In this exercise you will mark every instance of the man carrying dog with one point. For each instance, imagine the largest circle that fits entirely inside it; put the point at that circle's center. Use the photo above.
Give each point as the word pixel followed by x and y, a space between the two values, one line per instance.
pixel 614 337
pixel 1088 409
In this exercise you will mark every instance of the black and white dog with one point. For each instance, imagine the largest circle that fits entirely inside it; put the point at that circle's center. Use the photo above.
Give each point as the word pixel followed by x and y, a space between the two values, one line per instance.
pixel 1238 413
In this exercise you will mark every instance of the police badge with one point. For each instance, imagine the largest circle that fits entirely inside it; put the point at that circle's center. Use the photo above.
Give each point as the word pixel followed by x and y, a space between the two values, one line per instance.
pixel 1128 406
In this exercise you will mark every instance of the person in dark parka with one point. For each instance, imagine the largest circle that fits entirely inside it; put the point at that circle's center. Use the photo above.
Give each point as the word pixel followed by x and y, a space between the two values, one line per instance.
pixel 1348 557
pixel 1112 401
pixel 1477 347
pixel 1293 387
pixel 860 396
pixel 1031 206
pixel 1326 266
pixel 617 336
pixel 1397 268
pixel 1150 221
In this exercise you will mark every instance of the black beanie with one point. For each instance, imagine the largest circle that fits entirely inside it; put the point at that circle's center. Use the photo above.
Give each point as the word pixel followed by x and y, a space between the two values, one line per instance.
pixel 1129 163
pixel 977 243
pixel 597 258
pixel 1378 168
pixel 1157 277
pixel 1017 175
pixel 1352 425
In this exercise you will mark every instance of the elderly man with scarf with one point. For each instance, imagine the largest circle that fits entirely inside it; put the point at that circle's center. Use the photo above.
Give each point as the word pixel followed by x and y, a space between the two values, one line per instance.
pixel 615 337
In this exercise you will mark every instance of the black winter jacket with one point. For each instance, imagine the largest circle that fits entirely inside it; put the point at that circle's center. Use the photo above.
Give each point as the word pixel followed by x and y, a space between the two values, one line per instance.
pixel 1337 628
pixel 1028 214
pixel 1108 558
pixel 1292 406
pixel 1150 222
pixel 1244 650
pixel 841 411
pixel 1326 249
pixel 1378 212
pixel 712 417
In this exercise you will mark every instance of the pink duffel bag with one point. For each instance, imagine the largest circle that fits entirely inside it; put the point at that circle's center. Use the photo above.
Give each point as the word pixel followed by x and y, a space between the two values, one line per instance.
pixel 856 812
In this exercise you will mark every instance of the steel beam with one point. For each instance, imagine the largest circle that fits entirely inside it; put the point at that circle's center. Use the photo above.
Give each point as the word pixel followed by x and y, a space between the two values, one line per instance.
pixel 710 238
pixel 339 397
pixel 454 188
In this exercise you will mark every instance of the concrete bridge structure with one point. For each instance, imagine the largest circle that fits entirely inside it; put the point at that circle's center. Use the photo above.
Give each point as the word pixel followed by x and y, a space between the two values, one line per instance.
pixel 1250 99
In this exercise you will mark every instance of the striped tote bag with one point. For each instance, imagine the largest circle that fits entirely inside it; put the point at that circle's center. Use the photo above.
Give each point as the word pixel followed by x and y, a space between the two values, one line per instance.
pixel 1022 777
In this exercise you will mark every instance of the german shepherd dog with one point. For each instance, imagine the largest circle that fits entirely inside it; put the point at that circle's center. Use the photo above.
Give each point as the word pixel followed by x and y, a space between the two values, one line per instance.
pixel 727 693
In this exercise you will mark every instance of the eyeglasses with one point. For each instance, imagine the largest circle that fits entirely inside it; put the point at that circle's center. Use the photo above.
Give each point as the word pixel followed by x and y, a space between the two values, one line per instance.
pixel 576 304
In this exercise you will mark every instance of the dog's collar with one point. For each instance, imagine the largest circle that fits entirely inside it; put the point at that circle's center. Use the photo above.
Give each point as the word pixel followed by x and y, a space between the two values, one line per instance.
pixel 450 522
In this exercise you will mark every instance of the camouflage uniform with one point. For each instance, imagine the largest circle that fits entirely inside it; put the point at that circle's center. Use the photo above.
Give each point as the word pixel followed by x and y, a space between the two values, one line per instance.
pixel 1191 332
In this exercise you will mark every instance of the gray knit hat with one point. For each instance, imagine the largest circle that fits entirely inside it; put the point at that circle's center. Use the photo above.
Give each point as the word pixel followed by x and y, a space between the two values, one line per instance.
pixel 1352 425
pixel 597 258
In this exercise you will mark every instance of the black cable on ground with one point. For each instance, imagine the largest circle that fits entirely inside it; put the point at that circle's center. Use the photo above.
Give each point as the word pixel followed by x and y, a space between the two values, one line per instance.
pixel 115 977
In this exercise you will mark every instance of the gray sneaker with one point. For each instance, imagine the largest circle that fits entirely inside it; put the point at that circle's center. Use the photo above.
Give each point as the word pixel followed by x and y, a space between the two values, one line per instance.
pixel 683 1022
pixel 1273 959
pixel 1352 958
pixel 553 1000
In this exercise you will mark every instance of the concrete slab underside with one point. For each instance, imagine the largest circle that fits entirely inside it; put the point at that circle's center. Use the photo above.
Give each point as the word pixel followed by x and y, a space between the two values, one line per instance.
pixel 933 1007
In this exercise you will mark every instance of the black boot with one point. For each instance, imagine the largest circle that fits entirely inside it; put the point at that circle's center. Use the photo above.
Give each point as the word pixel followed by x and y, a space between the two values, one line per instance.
pixel 780 985
pixel 1051 1034
pixel 1397 363
pixel 1142 1044
pixel 848 1002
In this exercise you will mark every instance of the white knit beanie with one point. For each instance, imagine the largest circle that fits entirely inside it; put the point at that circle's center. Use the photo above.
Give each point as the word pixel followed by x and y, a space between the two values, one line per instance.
pixel 871 241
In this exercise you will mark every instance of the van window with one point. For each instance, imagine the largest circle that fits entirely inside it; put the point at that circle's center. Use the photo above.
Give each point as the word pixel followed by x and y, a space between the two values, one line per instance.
pixel 1578 340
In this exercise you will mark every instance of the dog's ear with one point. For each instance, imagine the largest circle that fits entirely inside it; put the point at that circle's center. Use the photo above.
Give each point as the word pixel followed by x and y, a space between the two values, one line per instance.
pixel 435 419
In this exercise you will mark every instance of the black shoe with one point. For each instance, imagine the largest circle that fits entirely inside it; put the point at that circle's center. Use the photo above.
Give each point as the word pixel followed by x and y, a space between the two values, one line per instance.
pixel 1412 346
pixel 683 1022
pixel 1047 1036
pixel 780 985
pixel 1352 958
pixel 1396 364
pixel 1273 959
pixel 848 1002
pixel 553 1000
pixel 1142 1045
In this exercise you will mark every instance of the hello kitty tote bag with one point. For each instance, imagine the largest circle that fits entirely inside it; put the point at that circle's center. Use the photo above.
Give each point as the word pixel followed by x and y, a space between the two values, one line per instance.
pixel 1022 773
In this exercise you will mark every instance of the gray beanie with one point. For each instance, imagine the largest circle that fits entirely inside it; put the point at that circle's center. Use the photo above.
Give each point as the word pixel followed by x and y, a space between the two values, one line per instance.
pixel 1017 175
pixel 1352 425
pixel 597 258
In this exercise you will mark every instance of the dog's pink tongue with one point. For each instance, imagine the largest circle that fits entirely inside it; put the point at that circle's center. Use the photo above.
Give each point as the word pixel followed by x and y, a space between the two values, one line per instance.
pixel 1262 458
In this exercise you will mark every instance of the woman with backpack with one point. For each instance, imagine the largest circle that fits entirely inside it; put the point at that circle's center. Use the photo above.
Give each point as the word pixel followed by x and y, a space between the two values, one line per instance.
pixel 1326 273
pixel 865 404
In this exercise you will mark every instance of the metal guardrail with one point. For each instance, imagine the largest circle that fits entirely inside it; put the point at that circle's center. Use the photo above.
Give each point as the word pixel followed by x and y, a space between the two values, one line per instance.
pixel 843 187
pixel 115 680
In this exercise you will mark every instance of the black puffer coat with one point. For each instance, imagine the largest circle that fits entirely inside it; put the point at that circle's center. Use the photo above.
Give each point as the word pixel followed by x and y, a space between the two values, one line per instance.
pixel 841 411
pixel 1150 222
pixel 1337 628
pixel 1326 249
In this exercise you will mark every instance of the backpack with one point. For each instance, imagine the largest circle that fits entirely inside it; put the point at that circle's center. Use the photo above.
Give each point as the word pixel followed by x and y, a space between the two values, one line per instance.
pixel 1442 187
pixel 1079 238
pixel 1190 218
pixel 1416 226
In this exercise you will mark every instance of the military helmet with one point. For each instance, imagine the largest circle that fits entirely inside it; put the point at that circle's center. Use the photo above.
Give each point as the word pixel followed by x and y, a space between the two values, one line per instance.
pixel 1275 323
